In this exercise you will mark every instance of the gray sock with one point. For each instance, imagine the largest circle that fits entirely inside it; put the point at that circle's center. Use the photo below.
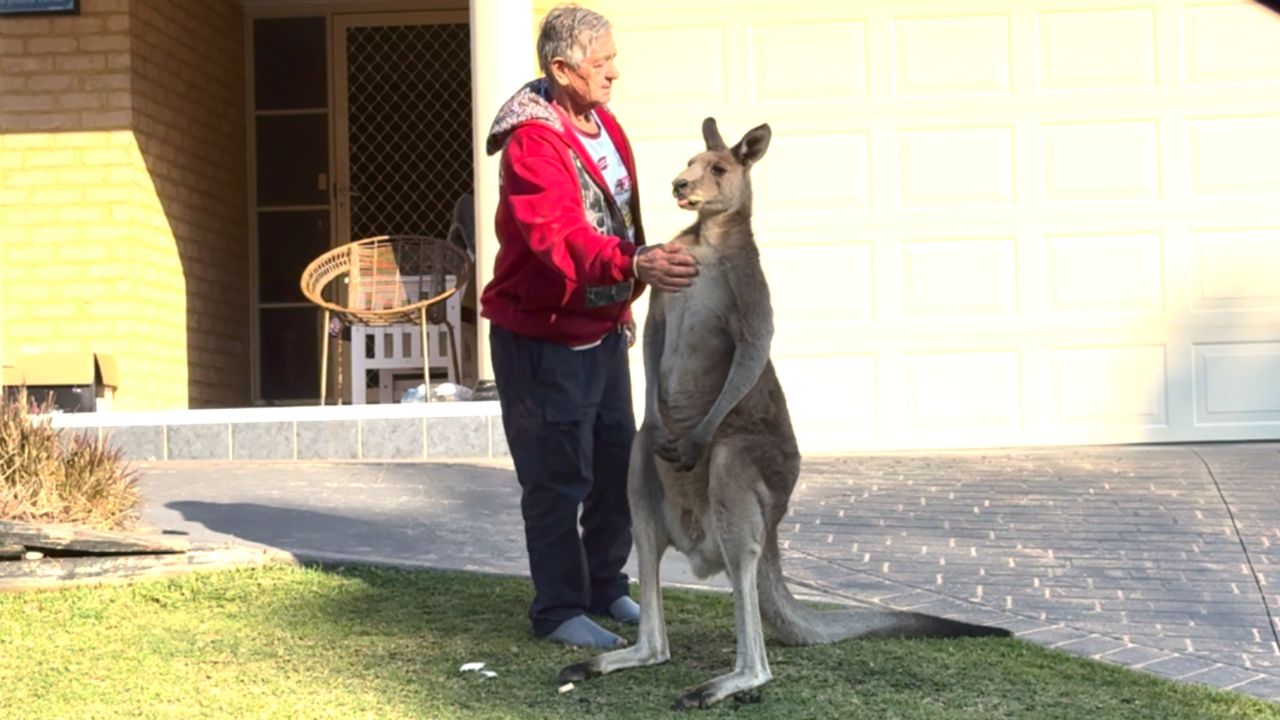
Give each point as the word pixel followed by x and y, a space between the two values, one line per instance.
pixel 624 609
pixel 580 631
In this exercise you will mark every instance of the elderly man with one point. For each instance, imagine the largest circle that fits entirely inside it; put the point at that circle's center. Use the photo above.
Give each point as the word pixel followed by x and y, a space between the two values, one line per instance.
pixel 571 262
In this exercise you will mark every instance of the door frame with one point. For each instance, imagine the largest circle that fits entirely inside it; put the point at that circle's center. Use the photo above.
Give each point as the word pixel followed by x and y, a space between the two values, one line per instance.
pixel 336 13
pixel 251 197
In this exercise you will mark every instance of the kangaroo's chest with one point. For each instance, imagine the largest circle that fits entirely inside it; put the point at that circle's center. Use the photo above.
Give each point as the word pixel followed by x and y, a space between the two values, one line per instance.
pixel 701 308
pixel 697 331
pixel 697 345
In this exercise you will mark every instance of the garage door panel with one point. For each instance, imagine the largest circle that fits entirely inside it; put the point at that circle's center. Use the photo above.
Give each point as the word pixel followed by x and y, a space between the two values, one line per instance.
pixel 838 288
pixel 784 56
pixel 1105 273
pixel 848 384
pixel 1097 49
pixel 952 55
pixel 1236 383
pixel 955 167
pixel 973 277
pixel 1236 269
pixel 1231 44
pixel 666 66
pixel 963 390
pixel 1234 154
pixel 1101 161
pixel 1109 386
pixel 816 172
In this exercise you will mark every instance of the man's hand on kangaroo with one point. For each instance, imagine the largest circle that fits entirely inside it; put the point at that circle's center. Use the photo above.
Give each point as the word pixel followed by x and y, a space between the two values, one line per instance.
pixel 666 267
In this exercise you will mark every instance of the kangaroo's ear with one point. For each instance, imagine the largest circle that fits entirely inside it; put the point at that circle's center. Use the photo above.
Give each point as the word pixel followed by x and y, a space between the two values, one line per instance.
pixel 711 134
pixel 752 145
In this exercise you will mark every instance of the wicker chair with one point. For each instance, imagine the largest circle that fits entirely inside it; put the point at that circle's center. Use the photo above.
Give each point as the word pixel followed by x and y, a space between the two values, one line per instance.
pixel 390 279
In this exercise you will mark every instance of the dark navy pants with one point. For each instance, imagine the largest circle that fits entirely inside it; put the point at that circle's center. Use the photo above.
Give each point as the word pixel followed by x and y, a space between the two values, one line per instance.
pixel 569 424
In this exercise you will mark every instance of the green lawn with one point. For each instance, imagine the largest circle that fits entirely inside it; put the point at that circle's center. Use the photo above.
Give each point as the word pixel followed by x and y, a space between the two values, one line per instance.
pixel 285 642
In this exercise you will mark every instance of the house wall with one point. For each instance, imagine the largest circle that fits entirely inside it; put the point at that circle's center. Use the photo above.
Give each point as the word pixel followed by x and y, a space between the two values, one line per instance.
pixel 122 195
pixel 189 124
pixel 70 176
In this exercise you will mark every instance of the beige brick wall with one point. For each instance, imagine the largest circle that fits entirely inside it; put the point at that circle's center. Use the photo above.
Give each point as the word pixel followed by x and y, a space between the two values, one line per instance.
pixel 189 121
pixel 68 171
pixel 122 219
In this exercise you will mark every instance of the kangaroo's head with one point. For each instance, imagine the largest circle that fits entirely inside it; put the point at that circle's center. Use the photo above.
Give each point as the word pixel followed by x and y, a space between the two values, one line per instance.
pixel 718 179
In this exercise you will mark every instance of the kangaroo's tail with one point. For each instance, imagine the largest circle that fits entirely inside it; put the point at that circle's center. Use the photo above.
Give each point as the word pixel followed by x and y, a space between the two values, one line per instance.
pixel 794 623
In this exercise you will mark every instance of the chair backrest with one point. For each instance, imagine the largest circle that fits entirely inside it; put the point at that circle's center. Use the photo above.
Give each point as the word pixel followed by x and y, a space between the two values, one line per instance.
pixel 323 270
pixel 389 278
pixel 375 279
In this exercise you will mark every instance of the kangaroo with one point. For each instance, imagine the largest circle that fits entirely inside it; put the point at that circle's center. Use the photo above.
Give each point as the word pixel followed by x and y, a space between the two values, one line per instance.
pixel 715 461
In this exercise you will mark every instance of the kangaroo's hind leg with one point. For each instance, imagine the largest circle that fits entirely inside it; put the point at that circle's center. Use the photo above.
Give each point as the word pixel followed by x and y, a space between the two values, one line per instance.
pixel 644 491
pixel 737 491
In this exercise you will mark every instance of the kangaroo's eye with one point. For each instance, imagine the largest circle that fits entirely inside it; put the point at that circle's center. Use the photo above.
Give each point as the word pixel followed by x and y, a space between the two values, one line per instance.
pixel 718 170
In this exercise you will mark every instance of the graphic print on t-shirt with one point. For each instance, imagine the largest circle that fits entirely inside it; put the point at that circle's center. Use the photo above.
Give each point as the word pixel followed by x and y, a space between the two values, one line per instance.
pixel 607 159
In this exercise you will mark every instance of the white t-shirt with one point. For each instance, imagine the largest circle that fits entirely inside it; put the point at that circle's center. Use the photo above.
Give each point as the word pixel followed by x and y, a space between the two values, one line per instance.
pixel 607 159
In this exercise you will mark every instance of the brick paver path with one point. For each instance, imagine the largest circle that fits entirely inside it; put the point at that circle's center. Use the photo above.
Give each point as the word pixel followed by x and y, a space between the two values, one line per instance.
pixel 1130 554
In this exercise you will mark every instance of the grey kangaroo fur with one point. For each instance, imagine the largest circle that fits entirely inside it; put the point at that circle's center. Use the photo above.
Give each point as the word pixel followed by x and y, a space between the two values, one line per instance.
pixel 715 461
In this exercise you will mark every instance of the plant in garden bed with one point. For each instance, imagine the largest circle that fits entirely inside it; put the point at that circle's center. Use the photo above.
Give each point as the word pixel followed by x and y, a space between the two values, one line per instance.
pixel 59 476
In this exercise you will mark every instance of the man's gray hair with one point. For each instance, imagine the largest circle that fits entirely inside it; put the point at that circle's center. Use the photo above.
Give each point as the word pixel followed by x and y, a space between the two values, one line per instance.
pixel 568 32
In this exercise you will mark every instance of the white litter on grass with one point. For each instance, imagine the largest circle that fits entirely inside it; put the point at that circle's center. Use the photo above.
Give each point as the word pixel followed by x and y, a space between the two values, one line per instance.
pixel 489 673
pixel 471 667
pixel 566 688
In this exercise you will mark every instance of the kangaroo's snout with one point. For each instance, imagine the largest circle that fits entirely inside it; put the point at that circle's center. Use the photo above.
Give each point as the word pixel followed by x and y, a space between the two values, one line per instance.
pixel 685 193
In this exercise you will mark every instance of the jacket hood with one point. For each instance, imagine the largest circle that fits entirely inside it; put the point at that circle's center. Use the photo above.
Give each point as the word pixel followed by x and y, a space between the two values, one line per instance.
pixel 530 104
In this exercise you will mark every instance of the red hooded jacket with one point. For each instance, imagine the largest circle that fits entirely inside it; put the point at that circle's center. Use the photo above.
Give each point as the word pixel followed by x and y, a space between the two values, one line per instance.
pixel 564 267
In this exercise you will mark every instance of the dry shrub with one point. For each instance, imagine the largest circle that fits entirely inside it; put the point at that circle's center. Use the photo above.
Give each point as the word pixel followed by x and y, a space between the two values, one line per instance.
pixel 58 476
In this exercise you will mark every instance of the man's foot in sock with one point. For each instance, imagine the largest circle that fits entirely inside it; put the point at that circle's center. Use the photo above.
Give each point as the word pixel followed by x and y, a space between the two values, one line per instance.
pixel 624 609
pixel 580 631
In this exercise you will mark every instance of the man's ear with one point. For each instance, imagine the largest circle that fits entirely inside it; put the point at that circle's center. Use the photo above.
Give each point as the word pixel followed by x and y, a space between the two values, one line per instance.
pixel 752 145
pixel 560 71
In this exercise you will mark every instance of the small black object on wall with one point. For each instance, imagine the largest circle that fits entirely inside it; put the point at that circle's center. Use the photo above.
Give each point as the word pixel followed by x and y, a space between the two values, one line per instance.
pixel 39 7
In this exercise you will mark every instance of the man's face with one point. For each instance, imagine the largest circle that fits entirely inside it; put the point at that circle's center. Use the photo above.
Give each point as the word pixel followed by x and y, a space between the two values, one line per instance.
pixel 592 81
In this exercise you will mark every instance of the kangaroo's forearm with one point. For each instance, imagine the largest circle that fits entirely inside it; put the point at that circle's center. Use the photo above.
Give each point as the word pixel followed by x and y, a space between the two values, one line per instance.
pixel 748 364
pixel 654 340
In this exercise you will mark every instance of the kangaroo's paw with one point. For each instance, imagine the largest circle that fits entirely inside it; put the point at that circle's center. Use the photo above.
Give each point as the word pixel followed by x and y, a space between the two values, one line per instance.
pixel 684 454
pixel 744 687
pixel 693 700
pixel 703 699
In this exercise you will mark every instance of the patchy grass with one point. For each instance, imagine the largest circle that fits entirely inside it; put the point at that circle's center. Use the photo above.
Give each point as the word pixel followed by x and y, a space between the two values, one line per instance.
pixel 284 642
pixel 52 476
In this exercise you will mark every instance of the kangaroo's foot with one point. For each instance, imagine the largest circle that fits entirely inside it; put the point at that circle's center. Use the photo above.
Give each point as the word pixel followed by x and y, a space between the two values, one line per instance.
pixel 637 656
pixel 744 686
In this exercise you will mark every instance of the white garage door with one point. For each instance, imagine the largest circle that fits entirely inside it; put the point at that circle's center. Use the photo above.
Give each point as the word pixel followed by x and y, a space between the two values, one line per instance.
pixel 991 223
